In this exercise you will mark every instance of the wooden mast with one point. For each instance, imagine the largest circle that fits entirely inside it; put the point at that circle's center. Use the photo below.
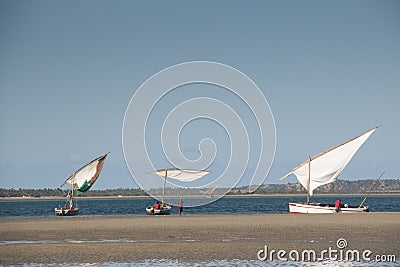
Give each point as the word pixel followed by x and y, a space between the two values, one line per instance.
pixel 71 200
pixel 309 180
pixel 165 182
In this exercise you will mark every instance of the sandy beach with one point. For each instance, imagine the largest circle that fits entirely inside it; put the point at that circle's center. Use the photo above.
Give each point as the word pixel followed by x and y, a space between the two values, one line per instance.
pixel 189 238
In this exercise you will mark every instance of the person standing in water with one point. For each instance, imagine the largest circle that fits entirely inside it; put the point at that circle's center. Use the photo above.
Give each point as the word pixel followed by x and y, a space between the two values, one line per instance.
pixel 180 206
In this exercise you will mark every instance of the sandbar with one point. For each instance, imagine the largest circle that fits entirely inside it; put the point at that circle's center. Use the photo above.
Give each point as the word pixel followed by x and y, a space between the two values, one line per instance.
pixel 99 239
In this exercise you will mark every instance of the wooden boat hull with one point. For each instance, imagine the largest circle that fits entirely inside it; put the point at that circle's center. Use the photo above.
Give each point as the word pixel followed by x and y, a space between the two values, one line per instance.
pixel 66 211
pixel 163 211
pixel 324 208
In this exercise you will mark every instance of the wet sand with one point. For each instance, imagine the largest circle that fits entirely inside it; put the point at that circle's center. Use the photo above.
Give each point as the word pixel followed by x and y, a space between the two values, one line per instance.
pixel 190 238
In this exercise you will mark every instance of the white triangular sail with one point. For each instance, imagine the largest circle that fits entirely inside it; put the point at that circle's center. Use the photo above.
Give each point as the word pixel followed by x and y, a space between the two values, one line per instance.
pixel 326 166
pixel 85 177
pixel 183 175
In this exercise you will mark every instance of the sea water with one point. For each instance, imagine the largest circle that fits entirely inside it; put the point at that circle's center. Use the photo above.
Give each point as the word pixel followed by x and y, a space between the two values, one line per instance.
pixel 224 206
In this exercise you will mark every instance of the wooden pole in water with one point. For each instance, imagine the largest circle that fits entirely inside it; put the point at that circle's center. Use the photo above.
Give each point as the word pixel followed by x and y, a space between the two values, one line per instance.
pixel 309 180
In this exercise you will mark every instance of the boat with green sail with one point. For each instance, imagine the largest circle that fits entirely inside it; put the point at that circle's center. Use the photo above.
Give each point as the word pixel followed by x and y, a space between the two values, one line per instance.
pixel 80 181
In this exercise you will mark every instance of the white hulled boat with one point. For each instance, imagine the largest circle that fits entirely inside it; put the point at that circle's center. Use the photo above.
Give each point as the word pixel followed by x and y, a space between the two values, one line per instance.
pixel 323 169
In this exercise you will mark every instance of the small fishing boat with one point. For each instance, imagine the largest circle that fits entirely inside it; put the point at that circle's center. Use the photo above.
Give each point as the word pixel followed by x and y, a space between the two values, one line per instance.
pixel 70 209
pixel 183 175
pixel 80 182
pixel 162 210
pixel 312 207
pixel 209 192
pixel 323 169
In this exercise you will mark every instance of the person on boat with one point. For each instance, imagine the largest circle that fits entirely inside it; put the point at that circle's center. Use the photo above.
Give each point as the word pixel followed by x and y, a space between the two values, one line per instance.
pixel 180 206
pixel 68 203
pixel 157 206
pixel 337 205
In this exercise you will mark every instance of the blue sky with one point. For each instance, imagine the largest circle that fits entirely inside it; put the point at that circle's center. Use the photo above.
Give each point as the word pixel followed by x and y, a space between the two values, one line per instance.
pixel 68 69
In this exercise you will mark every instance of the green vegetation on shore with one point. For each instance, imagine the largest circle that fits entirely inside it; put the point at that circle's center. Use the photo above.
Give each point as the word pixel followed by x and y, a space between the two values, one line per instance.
pixel 388 186
pixel 48 192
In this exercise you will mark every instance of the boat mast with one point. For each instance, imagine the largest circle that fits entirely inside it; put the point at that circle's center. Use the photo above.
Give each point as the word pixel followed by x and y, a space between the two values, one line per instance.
pixel 309 180
pixel 72 191
pixel 76 201
pixel 72 195
pixel 163 192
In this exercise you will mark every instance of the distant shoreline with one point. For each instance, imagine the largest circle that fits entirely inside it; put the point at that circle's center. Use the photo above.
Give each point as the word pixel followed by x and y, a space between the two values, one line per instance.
pixel 192 196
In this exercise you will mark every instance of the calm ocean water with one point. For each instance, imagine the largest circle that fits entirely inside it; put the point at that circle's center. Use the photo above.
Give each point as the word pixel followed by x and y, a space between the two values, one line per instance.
pixel 226 205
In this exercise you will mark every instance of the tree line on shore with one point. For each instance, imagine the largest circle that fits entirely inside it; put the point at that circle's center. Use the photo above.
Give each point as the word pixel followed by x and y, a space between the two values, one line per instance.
pixel 49 192
pixel 338 187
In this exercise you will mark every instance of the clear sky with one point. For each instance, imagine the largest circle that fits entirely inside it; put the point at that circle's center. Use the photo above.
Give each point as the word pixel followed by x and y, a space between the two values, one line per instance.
pixel 68 69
